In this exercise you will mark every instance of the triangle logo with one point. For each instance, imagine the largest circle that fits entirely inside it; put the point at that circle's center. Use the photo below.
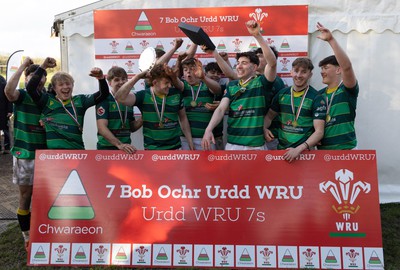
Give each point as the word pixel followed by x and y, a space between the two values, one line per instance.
pixel 143 23
pixel 72 202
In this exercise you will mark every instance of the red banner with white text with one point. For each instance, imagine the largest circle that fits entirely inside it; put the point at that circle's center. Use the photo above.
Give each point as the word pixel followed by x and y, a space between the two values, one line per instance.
pixel 121 35
pixel 231 209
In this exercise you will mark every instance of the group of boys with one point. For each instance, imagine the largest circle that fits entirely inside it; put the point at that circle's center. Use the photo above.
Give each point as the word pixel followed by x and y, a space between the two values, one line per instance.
pixel 187 113
pixel 299 117
pixel 44 120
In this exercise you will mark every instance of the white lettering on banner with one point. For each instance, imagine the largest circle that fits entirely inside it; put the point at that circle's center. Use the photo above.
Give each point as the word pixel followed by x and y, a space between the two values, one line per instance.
pixel 169 20
pixel 49 229
pixel 269 157
pixel 216 213
pixel 143 34
pixel 183 193
pixel 213 157
pixel 279 192
pixel 189 157
pixel 128 192
pixel 361 157
pixel 189 19
pixel 224 193
pixel 213 192
pixel 306 157
pixel 100 157
pixel 347 226
pixel 203 19
pixel 209 19
pixel 164 215
pixel 259 215
pixel 63 156
pixel 229 18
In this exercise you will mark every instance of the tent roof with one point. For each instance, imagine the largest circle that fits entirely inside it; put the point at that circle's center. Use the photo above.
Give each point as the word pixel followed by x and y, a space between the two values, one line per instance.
pixel 344 15
pixel 358 15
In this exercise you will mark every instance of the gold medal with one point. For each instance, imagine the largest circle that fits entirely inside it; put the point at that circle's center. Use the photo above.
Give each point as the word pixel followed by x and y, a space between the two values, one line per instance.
pixel 294 124
pixel 159 114
pixel 328 118
pixel 193 103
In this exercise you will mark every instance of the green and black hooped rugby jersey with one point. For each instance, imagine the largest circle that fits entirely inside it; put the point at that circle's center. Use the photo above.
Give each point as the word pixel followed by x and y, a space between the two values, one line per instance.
pixel 29 135
pixel 198 115
pixel 275 124
pixel 62 132
pixel 247 110
pixel 166 136
pixel 108 109
pixel 340 133
pixel 63 121
pixel 314 107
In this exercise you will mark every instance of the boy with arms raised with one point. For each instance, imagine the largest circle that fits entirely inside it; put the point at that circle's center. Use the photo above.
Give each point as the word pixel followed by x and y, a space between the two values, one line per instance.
pixel 246 99
pixel 198 90
pixel 163 114
pixel 63 113
pixel 340 94
pixel 29 135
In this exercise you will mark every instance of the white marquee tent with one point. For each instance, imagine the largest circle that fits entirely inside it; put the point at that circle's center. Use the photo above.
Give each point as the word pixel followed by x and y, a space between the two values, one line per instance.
pixel 367 29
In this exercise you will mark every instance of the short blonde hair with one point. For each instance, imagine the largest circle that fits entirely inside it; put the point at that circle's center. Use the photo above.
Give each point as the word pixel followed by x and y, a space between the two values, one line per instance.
pixel 61 76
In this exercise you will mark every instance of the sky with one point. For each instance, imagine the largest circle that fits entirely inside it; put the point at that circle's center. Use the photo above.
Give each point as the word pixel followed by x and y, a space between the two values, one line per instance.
pixel 26 25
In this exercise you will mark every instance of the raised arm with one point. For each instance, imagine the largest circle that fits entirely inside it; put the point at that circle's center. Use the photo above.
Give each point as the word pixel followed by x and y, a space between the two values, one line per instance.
pixel 104 91
pixel 11 90
pixel 124 94
pixel 191 51
pixel 212 85
pixel 270 69
pixel 225 67
pixel 34 82
pixel 173 74
pixel 168 55
pixel 348 75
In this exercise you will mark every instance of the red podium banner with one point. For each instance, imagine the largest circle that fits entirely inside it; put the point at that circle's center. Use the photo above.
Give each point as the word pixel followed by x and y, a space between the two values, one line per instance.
pixel 206 209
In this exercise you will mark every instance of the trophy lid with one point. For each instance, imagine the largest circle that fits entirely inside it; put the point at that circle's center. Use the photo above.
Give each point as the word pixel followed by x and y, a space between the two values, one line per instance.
pixel 197 35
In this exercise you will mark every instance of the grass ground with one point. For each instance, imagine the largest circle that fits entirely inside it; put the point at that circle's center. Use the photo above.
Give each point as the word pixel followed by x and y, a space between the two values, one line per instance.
pixel 13 255
pixel 390 216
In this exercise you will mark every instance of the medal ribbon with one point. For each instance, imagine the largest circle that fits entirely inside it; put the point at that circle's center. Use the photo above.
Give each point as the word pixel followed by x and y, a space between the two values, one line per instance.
pixel 123 120
pixel 74 117
pixel 241 84
pixel 160 115
pixel 329 102
pixel 195 96
pixel 297 114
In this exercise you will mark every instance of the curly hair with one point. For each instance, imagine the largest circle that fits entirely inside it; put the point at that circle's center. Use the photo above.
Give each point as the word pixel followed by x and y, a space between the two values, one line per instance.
pixel 156 73
pixel 252 56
